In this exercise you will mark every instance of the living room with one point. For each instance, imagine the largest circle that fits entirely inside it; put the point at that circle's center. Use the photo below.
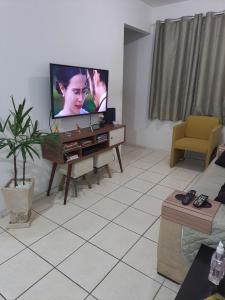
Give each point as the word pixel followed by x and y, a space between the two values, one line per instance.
pixel 106 246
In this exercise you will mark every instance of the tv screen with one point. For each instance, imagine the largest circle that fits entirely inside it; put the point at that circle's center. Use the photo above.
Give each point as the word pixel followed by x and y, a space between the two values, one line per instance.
pixel 77 90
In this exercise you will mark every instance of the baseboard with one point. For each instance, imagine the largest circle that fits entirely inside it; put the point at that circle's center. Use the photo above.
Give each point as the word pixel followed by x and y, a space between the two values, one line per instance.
pixel 4 213
pixel 43 194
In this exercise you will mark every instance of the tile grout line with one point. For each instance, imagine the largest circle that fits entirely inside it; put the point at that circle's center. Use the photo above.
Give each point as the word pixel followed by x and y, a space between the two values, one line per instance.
pixel 121 260
pixel 61 225
pixel 157 292
pixel 88 241
pixel 17 297
pixel 103 196
pixel 110 221
pixel 86 298
pixel 169 288
pixel 40 212
pixel 58 226
pixel 55 266
pixel 3 296
pixel 129 248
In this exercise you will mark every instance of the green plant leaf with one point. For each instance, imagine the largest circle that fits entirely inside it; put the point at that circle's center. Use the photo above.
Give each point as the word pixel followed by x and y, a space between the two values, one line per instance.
pixel 34 151
pixel 20 134
pixel 26 113
pixel 23 152
pixel 3 145
pixel 6 122
pixel 14 106
pixel 26 126
pixel 29 153
pixel 13 151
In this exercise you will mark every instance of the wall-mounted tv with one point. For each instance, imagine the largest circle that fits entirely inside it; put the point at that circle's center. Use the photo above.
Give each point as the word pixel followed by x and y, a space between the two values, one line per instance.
pixel 77 90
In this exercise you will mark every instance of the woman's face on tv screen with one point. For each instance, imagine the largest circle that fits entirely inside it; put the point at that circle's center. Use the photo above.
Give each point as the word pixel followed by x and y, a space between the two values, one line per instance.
pixel 75 92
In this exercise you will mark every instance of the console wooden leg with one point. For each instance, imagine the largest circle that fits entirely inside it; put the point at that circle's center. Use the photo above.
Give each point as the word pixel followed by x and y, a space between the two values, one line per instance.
pixel 88 182
pixel 67 182
pixel 97 175
pixel 75 187
pixel 119 158
pixel 54 165
pixel 62 182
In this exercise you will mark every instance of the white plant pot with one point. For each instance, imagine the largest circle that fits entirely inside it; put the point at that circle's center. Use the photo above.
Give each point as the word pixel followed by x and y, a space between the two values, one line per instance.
pixel 19 201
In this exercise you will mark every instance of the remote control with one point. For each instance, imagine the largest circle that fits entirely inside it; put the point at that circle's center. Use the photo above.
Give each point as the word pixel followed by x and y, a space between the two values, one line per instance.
pixel 188 197
pixel 199 201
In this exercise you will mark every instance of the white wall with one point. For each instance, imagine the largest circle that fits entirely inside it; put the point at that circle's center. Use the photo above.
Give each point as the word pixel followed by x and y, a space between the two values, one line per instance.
pixel 74 32
pixel 187 8
pixel 158 134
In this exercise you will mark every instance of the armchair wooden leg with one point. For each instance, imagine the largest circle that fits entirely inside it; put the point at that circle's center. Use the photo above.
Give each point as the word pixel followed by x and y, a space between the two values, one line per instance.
pixel 176 155
pixel 69 170
pixel 172 158
pixel 108 171
pixel 207 159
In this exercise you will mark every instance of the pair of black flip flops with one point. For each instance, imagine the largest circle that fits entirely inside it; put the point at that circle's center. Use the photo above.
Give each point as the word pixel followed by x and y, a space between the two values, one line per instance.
pixel 187 198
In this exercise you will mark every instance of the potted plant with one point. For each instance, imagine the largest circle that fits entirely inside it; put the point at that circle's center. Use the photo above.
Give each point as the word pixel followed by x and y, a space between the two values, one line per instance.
pixel 19 135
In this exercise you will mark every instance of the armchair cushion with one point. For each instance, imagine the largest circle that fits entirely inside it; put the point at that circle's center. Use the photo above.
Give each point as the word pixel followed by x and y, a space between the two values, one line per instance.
pixel 197 134
pixel 192 144
pixel 200 127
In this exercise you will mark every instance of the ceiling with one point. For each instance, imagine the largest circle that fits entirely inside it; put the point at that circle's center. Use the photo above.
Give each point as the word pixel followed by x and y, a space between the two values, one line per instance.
pixel 155 3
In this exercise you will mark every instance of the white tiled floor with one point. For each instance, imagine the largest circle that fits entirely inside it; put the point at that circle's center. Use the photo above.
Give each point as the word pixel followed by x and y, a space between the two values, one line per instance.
pixel 153 232
pixel 101 245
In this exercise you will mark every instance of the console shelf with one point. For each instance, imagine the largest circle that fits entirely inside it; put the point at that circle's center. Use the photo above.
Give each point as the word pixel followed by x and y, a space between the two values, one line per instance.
pixel 72 146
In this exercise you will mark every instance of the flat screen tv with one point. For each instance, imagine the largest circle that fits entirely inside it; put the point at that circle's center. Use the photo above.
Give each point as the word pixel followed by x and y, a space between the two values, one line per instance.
pixel 77 90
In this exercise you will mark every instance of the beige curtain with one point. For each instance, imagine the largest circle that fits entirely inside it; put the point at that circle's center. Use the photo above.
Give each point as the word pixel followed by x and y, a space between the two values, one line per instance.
pixel 209 98
pixel 188 68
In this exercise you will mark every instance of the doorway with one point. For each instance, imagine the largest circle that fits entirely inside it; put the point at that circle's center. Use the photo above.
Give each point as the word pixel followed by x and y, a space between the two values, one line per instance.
pixel 136 82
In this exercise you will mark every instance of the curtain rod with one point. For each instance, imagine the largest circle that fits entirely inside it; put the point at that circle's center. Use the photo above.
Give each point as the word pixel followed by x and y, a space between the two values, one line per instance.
pixel 190 17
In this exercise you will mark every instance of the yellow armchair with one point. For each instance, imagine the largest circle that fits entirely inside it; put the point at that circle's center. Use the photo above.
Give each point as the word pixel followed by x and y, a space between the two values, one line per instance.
pixel 197 134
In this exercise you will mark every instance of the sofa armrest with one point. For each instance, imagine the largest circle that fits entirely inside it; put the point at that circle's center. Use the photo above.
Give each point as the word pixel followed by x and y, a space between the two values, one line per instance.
pixel 214 137
pixel 178 131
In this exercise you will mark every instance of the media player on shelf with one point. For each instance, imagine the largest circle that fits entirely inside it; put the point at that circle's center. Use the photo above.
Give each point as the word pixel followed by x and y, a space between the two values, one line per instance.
pixel 109 115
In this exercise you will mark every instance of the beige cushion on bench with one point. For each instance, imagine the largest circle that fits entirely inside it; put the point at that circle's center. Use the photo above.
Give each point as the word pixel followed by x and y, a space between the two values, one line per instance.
pixel 103 158
pixel 79 168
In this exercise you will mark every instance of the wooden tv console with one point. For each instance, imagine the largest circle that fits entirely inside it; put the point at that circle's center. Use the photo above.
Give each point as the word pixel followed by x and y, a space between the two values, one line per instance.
pixel 73 146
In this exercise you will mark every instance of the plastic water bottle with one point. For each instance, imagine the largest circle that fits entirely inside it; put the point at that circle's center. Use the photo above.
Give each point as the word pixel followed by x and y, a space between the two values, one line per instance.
pixel 217 266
